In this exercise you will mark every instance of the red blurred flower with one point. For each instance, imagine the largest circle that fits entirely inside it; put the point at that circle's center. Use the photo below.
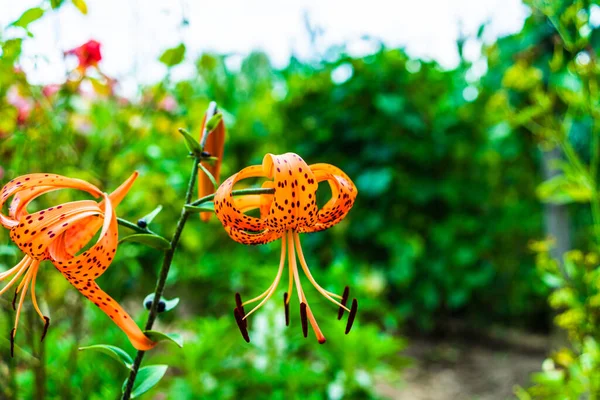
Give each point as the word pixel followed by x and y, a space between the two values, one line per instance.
pixel 51 89
pixel 88 54
pixel 23 105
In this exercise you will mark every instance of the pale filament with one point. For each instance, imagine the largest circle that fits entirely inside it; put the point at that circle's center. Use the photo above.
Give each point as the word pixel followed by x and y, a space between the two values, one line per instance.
pixel 14 279
pixel 328 295
pixel 26 280
pixel 35 267
pixel 294 267
pixel 267 295
pixel 11 271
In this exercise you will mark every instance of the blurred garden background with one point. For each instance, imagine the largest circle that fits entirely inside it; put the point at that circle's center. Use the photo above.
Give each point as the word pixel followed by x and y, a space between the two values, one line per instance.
pixel 472 246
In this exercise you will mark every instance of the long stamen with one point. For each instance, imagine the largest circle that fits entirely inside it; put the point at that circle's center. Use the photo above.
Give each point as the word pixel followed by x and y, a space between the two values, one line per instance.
pixel 291 283
pixel 35 267
pixel 312 280
pixel 352 315
pixel 275 282
pixel 241 324
pixel 294 267
pixel 13 333
pixel 14 279
pixel 286 306
pixel 344 300
pixel 240 307
pixel 304 319
pixel 11 271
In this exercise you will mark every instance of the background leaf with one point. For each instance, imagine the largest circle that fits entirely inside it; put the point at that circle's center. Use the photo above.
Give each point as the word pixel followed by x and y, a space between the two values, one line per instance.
pixel 113 351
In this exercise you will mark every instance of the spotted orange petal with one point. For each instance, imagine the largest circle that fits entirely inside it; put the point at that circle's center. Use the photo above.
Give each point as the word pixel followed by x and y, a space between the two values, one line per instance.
pixel 294 203
pixel 36 232
pixel 110 307
pixel 80 233
pixel 343 194
pixel 51 181
pixel 225 207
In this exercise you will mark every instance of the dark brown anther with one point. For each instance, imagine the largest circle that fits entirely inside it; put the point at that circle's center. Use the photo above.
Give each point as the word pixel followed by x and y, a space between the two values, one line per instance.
pixel 287 309
pixel 12 343
pixel 304 319
pixel 343 301
pixel 241 324
pixel 14 301
pixel 238 303
pixel 46 325
pixel 352 315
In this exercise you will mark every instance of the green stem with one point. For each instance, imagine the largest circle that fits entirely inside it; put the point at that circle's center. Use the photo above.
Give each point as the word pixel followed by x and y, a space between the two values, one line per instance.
pixel 135 227
pixel 240 192
pixel 162 279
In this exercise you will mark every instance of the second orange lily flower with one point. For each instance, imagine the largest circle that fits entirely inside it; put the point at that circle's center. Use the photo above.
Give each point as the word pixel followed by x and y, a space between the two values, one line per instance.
pixel 58 234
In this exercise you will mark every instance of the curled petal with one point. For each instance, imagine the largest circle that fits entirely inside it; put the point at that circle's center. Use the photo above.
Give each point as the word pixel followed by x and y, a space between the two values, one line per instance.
pixel 111 308
pixel 35 232
pixel 229 215
pixel 294 202
pixel 81 232
pixel 49 181
pixel 93 262
pixel 244 237
pixel 343 194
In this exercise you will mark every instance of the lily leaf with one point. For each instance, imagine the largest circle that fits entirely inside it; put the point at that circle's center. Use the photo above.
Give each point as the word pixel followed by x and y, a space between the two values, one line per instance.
pixel 191 143
pixel 157 242
pixel 168 304
pixel 81 6
pixel 147 378
pixel 112 351
pixel 171 337
pixel 208 206
pixel 29 16
pixel 173 56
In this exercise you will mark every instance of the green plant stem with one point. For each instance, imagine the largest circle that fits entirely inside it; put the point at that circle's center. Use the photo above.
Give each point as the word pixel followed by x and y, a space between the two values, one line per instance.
pixel 240 192
pixel 135 227
pixel 162 279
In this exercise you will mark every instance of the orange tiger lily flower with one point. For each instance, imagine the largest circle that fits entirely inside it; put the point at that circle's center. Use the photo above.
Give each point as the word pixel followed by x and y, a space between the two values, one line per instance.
pixel 291 210
pixel 57 234
pixel 215 144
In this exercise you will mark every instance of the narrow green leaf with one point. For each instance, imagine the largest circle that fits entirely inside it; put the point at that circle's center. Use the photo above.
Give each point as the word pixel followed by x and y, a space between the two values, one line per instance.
pixel 208 206
pixel 112 351
pixel 154 241
pixel 147 377
pixel 173 56
pixel 171 337
pixel 81 6
pixel 191 143
pixel 210 176
pixel 148 218
pixel 29 16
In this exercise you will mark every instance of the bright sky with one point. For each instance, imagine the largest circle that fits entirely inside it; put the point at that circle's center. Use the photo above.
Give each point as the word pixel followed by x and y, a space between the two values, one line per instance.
pixel 134 33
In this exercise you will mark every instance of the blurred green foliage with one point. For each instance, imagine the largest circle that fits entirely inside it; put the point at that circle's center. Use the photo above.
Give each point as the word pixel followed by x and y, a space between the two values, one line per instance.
pixel 447 172
pixel 549 87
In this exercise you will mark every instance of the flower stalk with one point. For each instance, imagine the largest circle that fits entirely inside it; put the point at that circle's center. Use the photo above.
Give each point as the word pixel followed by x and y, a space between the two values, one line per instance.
pixel 164 273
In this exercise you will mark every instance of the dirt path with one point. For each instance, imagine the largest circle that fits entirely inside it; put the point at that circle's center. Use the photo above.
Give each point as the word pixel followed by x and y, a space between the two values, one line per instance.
pixel 485 369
